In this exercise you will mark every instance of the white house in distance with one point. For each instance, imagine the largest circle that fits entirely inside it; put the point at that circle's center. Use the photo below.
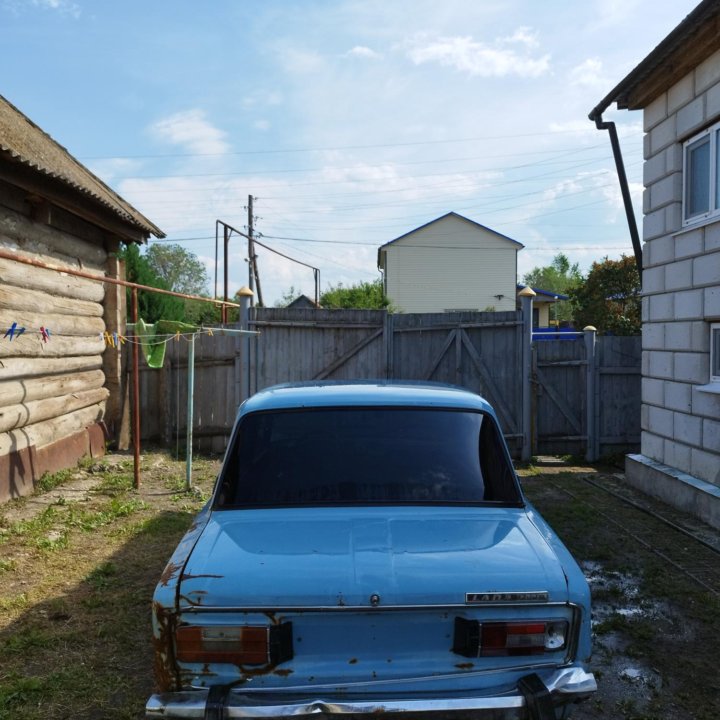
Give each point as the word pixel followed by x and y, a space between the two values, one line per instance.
pixel 677 86
pixel 448 265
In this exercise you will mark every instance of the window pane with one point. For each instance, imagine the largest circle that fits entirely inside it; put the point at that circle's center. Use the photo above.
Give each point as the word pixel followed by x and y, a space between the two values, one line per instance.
pixel 715 352
pixel 366 456
pixel 697 189
pixel 717 169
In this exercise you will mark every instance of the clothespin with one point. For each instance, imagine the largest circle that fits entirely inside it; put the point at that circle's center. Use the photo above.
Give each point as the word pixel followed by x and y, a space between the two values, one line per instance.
pixel 210 332
pixel 121 338
pixel 44 333
pixel 177 335
pixel 116 342
pixel 14 331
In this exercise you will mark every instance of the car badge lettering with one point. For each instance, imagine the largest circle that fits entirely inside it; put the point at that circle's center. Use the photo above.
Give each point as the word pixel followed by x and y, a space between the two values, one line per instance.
pixel 501 597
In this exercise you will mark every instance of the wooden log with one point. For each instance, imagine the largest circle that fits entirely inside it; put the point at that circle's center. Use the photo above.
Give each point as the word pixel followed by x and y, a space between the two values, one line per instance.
pixel 21 299
pixel 31 345
pixel 56 323
pixel 47 241
pixel 56 283
pixel 35 411
pixel 13 392
pixel 25 367
pixel 49 431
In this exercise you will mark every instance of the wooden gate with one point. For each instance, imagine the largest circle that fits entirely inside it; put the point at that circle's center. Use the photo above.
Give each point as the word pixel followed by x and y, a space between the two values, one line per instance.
pixel 480 351
pixel 586 396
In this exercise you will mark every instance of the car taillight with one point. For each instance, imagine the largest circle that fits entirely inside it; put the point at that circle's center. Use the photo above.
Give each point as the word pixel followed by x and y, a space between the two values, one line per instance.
pixel 239 645
pixel 493 639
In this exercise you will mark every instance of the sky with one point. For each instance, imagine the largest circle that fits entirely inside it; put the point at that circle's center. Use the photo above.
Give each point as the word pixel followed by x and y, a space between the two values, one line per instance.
pixel 350 122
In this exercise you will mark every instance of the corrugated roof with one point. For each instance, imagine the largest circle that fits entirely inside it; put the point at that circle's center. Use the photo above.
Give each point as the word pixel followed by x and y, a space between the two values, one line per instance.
pixel 26 143
pixel 692 41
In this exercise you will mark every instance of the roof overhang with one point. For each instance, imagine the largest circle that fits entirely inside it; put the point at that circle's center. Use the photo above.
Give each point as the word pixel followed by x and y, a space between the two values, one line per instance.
pixel 694 40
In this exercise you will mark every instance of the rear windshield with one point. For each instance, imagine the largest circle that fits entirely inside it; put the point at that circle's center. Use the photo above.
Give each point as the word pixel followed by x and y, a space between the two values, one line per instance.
pixel 360 456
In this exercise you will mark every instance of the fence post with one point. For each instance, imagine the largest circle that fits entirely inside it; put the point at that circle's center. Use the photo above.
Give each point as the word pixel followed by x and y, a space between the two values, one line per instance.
pixel 527 294
pixel 245 294
pixel 389 341
pixel 590 336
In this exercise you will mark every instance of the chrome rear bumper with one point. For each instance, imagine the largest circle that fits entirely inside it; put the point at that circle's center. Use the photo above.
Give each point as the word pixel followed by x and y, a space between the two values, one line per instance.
pixel 559 689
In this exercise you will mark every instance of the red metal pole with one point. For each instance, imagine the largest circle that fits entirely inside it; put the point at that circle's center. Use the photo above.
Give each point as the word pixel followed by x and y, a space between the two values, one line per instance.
pixel 136 394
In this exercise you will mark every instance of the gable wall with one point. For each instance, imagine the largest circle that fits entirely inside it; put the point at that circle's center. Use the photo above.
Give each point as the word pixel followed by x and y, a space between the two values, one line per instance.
pixel 451 264
pixel 681 287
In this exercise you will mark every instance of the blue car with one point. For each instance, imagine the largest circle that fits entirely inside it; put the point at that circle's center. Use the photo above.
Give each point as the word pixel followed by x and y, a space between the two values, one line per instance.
pixel 367 549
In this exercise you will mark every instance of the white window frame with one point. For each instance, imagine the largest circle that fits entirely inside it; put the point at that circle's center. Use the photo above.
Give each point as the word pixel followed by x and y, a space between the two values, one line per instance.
pixel 715 353
pixel 714 202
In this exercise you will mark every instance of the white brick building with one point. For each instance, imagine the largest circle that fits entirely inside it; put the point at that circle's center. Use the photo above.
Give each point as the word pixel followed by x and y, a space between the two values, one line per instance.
pixel 678 88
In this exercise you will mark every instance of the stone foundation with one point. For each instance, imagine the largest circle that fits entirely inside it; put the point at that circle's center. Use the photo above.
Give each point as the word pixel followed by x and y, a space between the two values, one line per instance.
pixel 683 491
pixel 21 470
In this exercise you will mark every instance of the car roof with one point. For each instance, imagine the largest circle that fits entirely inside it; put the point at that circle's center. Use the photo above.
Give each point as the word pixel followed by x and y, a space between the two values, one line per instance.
pixel 364 393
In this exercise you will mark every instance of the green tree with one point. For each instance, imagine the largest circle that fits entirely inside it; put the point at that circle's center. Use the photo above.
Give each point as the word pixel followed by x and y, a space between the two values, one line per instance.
pixel 179 268
pixel 362 295
pixel 151 306
pixel 287 297
pixel 609 298
pixel 557 277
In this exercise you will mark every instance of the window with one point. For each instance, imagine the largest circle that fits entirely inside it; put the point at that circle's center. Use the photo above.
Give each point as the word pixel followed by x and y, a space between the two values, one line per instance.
pixel 715 353
pixel 366 456
pixel 701 165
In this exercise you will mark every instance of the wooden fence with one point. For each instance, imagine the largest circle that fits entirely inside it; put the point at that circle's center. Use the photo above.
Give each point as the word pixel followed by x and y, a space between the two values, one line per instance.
pixel 572 398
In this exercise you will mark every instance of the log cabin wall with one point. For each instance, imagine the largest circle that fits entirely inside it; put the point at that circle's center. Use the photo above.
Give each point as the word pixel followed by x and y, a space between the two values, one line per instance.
pixel 56 396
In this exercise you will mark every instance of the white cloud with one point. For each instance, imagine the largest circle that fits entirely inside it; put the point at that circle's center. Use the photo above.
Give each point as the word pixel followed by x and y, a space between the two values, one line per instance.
pixel 191 130
pixel 265 98
pixel 589 74
pixel 476 58
pixel 62 6
pixel 360 51
pixel 524 36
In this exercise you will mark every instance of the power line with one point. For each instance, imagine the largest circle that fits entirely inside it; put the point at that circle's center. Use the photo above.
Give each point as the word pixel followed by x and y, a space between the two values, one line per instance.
pixel 417 143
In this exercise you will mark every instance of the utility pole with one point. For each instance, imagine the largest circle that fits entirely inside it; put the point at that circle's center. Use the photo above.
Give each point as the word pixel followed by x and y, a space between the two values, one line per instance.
pixel 251 247
pixel 253 275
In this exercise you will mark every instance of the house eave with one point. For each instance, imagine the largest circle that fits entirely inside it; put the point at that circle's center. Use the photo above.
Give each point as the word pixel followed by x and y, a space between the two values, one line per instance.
pixel 689 44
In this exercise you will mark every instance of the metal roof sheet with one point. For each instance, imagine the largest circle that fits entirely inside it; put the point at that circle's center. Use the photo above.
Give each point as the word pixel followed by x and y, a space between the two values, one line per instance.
pixel 26 143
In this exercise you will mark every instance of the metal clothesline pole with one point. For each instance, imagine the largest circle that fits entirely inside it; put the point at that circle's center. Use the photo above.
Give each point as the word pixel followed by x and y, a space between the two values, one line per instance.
pixel 191 392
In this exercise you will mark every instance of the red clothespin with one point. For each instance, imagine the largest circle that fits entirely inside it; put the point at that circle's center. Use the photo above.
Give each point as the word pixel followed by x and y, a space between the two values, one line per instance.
pixel 44 333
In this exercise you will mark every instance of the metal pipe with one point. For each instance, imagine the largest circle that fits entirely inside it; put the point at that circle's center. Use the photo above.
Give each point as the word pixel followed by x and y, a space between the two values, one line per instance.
pixel 624 187
pixel 113 281
pixel 136 396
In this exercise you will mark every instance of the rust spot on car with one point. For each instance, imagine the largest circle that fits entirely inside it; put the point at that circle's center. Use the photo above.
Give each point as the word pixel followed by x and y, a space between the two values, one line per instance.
pixel 166 672
pixel 352 661
pixel 465 666
pixel 284 672
pixel 197 601
pixel 169 573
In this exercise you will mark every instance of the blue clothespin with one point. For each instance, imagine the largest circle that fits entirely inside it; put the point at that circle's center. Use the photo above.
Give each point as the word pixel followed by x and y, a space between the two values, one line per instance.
pixel 14 331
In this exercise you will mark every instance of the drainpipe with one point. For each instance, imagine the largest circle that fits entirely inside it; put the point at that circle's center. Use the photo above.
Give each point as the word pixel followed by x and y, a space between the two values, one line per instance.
pixel 601 124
